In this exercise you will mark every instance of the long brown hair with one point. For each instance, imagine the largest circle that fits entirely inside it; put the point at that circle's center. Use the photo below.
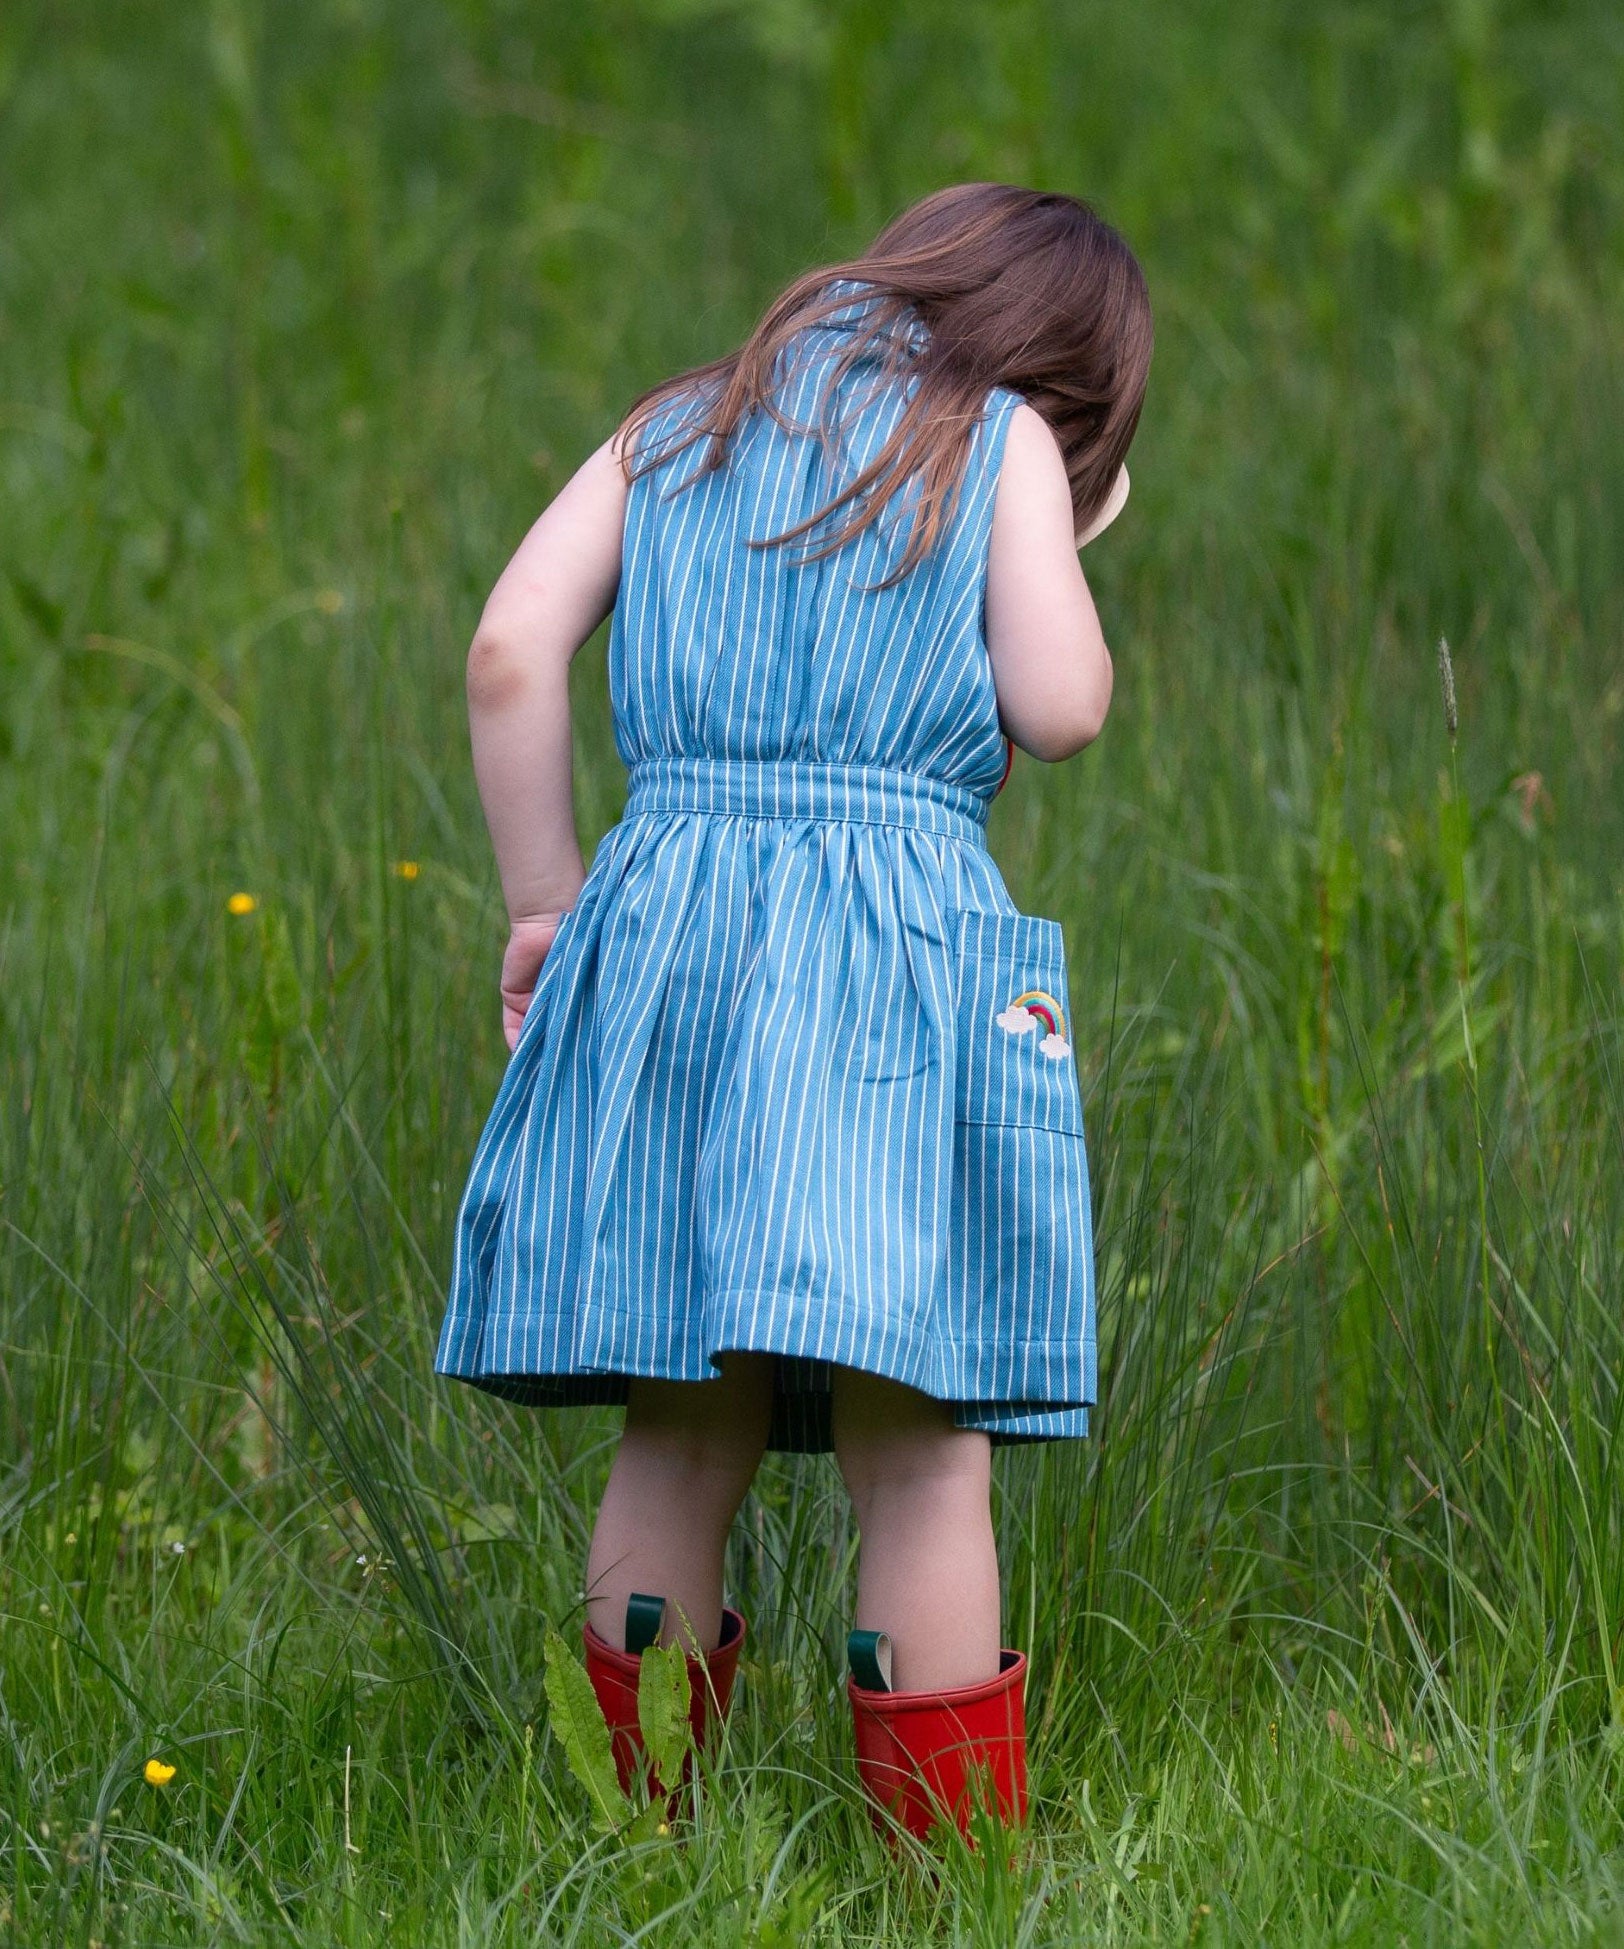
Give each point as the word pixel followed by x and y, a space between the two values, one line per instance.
pixel 1025 289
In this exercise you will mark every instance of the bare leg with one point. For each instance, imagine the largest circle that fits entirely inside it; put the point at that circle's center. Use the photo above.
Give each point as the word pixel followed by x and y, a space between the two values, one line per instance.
pixel 927 1571
pixel 686 1458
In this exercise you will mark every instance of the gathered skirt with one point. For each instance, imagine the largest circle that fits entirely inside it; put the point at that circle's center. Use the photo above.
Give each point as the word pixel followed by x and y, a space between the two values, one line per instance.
pixel 798 1079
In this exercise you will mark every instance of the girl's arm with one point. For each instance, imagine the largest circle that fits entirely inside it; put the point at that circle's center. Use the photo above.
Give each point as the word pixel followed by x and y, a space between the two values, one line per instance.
pixel 557 589
pixel 1051 669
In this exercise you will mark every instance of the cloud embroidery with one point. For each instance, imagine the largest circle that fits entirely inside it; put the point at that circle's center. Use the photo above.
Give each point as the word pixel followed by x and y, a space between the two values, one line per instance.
pixel 1036 1009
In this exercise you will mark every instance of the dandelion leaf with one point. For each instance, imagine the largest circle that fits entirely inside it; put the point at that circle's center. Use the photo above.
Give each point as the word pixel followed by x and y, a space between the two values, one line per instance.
pixel 578 1724
pixel 662 1710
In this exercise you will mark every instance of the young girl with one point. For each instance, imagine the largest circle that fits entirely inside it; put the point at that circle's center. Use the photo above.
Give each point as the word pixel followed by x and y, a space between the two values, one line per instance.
pixel 789 1152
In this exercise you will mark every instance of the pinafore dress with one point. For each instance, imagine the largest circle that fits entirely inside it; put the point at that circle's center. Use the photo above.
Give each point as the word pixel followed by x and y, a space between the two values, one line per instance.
pixel 797 1077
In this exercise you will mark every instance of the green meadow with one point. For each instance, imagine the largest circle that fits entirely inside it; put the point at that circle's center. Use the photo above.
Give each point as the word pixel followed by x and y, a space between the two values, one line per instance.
pixel 304 314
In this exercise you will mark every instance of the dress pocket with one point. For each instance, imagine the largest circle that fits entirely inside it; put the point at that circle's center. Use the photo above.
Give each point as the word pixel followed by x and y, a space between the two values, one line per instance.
pixel 1016 1063
pixel 1020 1272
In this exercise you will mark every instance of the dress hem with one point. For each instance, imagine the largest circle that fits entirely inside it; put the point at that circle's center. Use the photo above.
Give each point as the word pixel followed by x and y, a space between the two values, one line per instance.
pixel 800 1423
pixel 1022 1395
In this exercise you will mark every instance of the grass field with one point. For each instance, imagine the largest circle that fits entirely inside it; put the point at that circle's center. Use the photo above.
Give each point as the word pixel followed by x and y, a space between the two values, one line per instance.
pixel 303 315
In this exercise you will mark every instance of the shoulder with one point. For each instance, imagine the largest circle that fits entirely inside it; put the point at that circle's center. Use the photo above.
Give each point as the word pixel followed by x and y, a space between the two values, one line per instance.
pixel 1032 475
pixel 1029 443
pixel 1019 454
pixel 603 473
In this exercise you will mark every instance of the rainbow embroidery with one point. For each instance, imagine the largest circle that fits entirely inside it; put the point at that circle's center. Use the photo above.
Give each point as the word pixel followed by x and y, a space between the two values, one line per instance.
pixel 1035 1008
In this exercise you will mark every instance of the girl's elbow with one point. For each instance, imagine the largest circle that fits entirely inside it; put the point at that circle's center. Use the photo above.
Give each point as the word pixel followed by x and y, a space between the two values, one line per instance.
pixel 495 673
pixel 1059 734
pixel 1094 707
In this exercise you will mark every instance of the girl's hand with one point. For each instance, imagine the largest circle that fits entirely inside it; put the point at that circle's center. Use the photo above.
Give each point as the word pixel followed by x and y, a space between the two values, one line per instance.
pixel 1114 503
pixel 528 941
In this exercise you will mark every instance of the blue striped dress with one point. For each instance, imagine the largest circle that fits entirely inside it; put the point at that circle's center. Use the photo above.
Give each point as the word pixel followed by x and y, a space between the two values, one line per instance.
pixel 798 1077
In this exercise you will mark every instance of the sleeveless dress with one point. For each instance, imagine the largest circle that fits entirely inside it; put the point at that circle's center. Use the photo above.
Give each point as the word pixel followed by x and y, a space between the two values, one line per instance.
pixel 797 1076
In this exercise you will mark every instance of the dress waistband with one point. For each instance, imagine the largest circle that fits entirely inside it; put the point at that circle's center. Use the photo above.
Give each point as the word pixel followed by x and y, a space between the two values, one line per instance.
pixel 797 788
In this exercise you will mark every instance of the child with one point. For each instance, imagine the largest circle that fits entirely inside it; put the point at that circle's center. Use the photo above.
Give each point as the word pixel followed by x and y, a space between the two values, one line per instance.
pixel 789 1152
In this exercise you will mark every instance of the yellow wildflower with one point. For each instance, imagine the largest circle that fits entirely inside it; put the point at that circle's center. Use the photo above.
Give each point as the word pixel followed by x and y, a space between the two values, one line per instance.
pixel 408 869
pixel 241 903
pixel 159 1773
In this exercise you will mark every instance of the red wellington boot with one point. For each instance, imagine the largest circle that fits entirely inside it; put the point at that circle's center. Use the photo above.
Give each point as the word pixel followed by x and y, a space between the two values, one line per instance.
pixel 614 1680
pixel 926 1756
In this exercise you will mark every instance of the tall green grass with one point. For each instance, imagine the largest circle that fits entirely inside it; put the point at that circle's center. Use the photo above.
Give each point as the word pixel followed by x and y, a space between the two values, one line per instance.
pixel 304 318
